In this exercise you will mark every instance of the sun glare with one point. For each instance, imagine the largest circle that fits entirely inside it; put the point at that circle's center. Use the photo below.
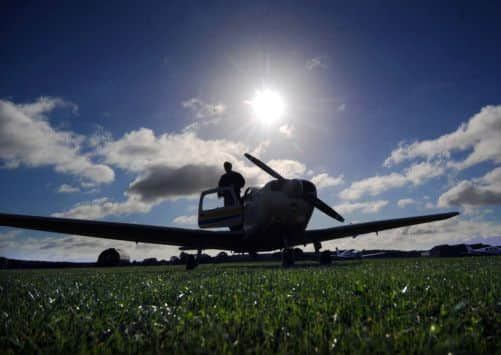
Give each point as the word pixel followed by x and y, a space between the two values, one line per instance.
pixel 268 106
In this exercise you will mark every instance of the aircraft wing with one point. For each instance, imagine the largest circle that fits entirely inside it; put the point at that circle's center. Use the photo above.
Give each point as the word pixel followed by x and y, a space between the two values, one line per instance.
pixel 188 238
pixel 353 230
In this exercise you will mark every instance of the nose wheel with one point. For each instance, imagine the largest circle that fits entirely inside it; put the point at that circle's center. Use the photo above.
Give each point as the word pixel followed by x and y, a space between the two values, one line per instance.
pixel 287 257
pixel 192 261
pixel 325 257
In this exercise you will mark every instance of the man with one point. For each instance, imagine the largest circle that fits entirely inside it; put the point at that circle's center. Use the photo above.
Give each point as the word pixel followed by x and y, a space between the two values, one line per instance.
pixel 231 179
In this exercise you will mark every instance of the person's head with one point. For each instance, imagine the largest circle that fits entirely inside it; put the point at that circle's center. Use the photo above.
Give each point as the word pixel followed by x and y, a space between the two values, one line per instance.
pixel 227 166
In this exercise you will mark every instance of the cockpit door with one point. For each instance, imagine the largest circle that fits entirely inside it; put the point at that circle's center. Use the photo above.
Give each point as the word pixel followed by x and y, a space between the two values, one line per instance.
pixel 219 207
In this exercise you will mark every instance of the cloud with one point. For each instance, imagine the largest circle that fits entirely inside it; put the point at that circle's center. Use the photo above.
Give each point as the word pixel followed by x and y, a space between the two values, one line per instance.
pixel 415 174
pixel 287 130
pixel 186 220
pixel 478 192
pixel 103 207
pixel 78 248
pixel 203 109
pixel 402 203
pixel 65 188
pixel 176 165
pixel 323 180
pixel 373 186
pixel 140 149
pixel 289 169
pixel 27 138
pixel 425 236
pixel 341 107
pixel 9 234
pixel 418 173
pixel 481 134
pixel 161 182
pixel 315 63
pixel 364 207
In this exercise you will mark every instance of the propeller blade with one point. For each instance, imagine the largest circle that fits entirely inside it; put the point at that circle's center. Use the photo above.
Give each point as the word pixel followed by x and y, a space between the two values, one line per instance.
pixel 264 167
pixel 325 208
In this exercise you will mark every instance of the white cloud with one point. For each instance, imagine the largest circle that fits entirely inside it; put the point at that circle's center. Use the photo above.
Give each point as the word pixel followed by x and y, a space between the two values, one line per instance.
pixel 424 236
pixel 10 234
pixel 78 248
pixel 139 149
pixel 478 192
pixel 186 220
pixel 481 134
pixel 27 138
pixel 415 174
pixel 203 109
pixel 404 202
pixel 315 63
pixel 323 180
pixel 287 130
pixel 373 186
pixel 65 188
pixel 364 207
pixel 103 207
pixel 418 173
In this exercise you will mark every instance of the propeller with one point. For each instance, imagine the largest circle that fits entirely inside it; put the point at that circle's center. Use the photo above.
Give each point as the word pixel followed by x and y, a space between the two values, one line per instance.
pixel 315 201
pixel 264 167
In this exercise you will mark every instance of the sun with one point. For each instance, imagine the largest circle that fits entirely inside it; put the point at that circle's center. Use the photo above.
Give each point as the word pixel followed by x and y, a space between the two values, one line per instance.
pixel 268 106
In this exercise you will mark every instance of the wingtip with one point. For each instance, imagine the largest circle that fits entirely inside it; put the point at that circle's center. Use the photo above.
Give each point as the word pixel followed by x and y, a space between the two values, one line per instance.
pixel 451 214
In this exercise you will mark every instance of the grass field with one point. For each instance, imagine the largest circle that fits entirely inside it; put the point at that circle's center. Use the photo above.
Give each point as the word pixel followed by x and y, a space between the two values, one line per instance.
pixel 401 305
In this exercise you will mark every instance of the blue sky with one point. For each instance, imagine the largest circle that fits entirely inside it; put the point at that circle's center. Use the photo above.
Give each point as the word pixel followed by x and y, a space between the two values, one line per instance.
pixel 392 110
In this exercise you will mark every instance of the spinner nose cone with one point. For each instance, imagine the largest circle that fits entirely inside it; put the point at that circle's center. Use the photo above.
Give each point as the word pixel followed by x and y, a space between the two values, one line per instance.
pixel 309 188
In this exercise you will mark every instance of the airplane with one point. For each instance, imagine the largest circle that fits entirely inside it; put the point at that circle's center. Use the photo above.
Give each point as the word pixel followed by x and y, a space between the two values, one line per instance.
pixel 264 219
pixel 484 251
pixel 354 254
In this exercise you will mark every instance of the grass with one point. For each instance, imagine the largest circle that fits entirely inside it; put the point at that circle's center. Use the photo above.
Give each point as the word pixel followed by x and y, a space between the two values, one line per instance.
pixel 423 305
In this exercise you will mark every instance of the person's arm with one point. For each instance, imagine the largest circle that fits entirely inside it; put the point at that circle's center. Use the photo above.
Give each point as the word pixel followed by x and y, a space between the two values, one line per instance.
pixel 242 181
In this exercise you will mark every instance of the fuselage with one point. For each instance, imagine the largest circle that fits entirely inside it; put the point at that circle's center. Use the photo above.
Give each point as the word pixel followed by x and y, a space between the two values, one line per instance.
pixel 276 215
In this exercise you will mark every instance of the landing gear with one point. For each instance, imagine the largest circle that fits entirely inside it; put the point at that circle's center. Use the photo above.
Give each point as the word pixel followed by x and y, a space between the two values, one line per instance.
pixel 317 245
pixel 287 257
pixel 191 263
pixel 325 258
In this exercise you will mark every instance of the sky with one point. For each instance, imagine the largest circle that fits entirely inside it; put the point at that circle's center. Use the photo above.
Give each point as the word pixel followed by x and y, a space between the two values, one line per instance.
pixel 125 111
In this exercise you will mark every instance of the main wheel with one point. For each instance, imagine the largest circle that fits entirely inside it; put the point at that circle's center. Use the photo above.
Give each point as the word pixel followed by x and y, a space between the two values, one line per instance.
pixel 325 257
pixel 287 258
pixel 191 263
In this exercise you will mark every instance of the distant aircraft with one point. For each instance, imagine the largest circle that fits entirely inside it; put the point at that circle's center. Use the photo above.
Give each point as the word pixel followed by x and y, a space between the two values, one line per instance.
pixel 484 251
pixel 354 254
pixel 269 218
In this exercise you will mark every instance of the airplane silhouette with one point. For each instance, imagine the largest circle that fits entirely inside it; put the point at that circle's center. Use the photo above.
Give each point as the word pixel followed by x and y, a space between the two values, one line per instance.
pixel 269 218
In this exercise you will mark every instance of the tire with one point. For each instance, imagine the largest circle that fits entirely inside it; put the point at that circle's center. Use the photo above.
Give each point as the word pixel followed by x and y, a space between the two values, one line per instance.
pixel 325 257
pixel 191 263
pixel 287 258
